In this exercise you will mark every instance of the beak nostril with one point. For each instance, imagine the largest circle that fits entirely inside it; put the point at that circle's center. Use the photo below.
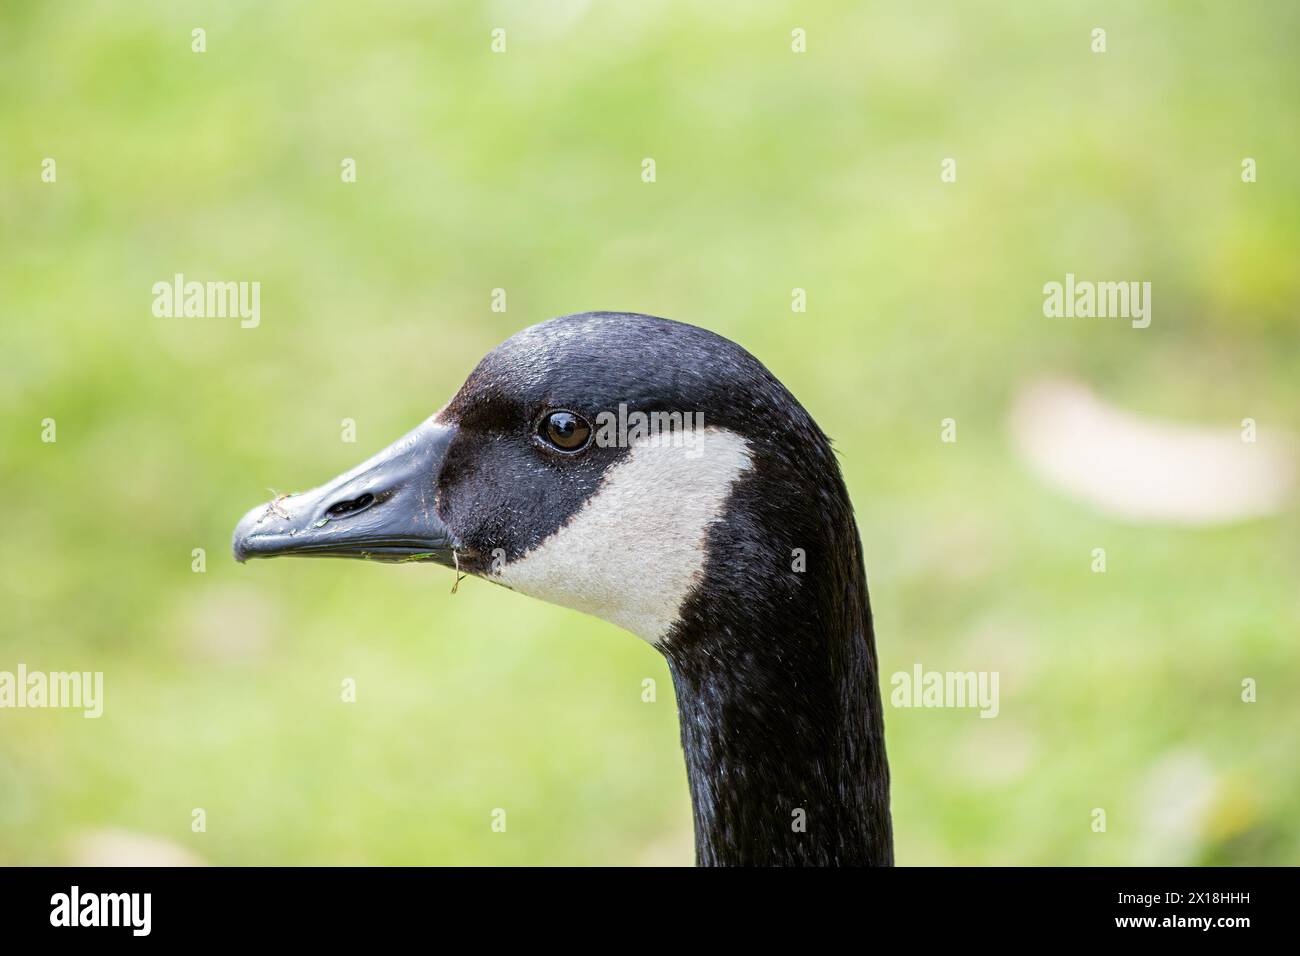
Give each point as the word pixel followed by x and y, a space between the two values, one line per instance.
pixel 342 508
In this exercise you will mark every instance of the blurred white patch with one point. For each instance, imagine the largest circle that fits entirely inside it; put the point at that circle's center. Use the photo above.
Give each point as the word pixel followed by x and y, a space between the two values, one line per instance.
pixel 1177 797
pixel 123 848
pixel 1147 470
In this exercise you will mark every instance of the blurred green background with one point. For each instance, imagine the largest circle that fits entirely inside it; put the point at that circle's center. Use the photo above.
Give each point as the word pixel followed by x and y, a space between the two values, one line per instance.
pixel 522 171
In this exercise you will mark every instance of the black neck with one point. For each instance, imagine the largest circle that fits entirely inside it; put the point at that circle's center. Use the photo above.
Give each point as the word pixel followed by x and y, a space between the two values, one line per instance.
pixel 782 726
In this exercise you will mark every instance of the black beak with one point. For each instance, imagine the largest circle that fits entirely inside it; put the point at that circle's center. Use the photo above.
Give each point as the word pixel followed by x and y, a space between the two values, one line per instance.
pixel 383 509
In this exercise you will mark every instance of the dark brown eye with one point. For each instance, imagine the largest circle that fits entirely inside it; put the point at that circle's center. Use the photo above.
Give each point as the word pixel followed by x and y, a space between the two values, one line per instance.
pixel 565 430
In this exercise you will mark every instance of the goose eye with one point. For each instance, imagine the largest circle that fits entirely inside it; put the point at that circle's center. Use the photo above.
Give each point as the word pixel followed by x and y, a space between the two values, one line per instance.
pixel 565 431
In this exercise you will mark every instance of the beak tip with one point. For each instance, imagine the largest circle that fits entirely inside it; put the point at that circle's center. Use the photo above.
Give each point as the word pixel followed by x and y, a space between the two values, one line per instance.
pixel 377 510
pixel 240 546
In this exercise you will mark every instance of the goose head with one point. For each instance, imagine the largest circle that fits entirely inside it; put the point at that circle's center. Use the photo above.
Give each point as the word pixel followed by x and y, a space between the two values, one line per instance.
pixel 584 462
pixel 657 476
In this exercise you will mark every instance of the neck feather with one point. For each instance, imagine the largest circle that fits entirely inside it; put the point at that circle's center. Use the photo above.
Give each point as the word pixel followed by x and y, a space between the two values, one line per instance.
pixel 781 717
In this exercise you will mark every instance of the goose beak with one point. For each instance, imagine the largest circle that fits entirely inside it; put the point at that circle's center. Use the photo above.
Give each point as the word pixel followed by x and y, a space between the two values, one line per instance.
pixel 382 510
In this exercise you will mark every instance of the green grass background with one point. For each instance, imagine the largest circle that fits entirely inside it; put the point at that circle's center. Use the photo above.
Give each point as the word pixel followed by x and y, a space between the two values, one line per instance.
pixel 522 171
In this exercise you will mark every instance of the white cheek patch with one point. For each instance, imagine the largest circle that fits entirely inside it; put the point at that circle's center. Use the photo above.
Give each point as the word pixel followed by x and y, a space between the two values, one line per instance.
pixel 636 549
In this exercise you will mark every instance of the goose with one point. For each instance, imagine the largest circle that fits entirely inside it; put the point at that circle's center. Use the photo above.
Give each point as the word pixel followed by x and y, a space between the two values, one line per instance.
pixel 729 545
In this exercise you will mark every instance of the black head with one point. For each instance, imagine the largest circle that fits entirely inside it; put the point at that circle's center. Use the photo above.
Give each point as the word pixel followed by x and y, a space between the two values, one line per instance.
pixel 605 461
